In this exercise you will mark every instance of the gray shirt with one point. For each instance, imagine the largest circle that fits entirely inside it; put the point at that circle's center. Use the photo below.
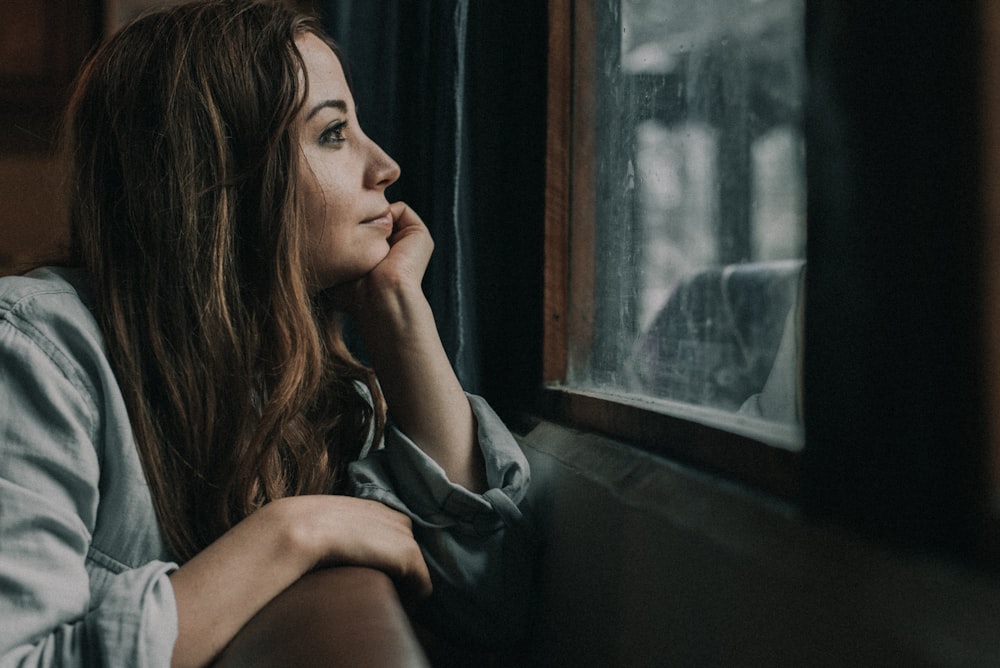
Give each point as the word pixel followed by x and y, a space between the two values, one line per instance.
pixel 83 569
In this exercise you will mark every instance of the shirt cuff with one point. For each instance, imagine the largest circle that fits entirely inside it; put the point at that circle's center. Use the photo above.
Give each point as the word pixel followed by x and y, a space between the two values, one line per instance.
pixel 404 477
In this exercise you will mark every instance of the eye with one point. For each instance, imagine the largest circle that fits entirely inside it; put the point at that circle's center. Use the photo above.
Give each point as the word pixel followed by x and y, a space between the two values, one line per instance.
pixel 333 135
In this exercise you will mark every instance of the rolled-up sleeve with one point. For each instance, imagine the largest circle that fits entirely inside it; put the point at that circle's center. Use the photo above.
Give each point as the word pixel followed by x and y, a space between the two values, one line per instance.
pixel 478 547
pixel 50 475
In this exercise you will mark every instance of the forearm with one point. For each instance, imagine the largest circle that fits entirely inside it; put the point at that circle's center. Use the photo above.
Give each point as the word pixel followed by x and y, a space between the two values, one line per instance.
pixel 424 396
pixel 223 586
pixel 227 583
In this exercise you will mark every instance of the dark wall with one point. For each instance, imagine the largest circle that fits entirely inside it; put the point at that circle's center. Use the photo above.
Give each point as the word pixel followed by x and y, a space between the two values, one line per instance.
pixel 895 438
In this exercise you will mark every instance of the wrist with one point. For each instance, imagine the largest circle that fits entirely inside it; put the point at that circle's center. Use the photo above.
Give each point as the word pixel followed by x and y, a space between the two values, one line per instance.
pixel 293 535
pixel 393 308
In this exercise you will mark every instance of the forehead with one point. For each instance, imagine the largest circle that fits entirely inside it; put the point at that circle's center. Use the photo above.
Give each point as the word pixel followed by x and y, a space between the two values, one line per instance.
pixel 323 69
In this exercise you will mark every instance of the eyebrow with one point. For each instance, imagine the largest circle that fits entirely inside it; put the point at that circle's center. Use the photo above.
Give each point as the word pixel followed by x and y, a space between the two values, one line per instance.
pixel 325 104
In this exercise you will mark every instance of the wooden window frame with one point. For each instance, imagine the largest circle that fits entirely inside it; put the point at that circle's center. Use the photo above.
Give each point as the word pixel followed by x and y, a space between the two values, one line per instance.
pixel 570 233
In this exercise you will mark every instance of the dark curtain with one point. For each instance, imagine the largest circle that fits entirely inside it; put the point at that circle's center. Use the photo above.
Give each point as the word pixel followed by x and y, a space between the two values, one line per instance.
pixel 455 91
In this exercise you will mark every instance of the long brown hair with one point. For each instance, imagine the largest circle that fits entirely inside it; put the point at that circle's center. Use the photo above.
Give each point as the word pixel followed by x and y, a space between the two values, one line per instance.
pixel 186 215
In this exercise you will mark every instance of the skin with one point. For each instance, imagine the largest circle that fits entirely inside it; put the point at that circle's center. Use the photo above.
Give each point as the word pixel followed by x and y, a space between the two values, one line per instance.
pixel 371 256
pixel 346 176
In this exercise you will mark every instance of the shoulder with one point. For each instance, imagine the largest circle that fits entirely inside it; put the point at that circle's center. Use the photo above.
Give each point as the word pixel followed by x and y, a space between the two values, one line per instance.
pixel 43 314
pixel 49 291
pixel 47 302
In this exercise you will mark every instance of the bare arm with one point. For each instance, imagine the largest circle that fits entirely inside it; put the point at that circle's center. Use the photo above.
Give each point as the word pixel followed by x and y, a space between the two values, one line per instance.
pixel 395 320
pixel 226 584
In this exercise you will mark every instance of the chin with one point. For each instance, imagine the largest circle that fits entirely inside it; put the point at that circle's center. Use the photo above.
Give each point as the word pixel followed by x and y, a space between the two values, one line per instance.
pixel 335 276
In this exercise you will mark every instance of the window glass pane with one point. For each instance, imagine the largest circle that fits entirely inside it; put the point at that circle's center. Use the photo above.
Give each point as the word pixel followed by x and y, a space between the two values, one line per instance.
pixel 698 210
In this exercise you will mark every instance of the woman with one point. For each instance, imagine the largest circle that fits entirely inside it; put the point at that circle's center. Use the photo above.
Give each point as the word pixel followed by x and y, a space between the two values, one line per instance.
pixel 185 433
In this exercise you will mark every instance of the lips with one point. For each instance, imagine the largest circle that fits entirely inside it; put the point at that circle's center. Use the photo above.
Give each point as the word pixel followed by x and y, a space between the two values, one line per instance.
pixel 384 218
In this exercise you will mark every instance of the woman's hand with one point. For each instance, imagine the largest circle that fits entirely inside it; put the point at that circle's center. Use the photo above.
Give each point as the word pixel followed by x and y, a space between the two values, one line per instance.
pixel 401 271
pixel 343 530
pixel 227 583
pixel 410 248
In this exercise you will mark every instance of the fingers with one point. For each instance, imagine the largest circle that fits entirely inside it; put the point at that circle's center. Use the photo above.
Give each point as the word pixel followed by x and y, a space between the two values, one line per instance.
pixel 415 583
pixel 398 209
pixel 410 248
pixel 408 223
pixel 403 215
pixel 362 532
pixel 404 560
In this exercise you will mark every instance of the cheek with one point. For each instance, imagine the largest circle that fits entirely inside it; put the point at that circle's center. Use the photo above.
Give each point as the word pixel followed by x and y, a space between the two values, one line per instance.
pixel 324 203
pixel 320 210
pixel 309 193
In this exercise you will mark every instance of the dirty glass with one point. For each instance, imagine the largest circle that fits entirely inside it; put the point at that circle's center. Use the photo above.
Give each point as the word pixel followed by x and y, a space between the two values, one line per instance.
pixel 698 208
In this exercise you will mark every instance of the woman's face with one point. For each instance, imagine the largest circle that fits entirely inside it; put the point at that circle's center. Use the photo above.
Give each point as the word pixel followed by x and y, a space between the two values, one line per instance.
pixel 345 175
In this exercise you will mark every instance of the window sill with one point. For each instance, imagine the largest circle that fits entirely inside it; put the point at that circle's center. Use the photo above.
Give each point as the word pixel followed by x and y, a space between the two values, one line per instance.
pixel 739 447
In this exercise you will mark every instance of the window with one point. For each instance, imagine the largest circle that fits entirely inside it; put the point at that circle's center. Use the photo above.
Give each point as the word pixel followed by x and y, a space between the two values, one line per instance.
pixel 900 363
pixel 682 211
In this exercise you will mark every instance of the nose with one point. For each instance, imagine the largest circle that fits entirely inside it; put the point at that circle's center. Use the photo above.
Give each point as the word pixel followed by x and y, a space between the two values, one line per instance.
pixel 382 170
